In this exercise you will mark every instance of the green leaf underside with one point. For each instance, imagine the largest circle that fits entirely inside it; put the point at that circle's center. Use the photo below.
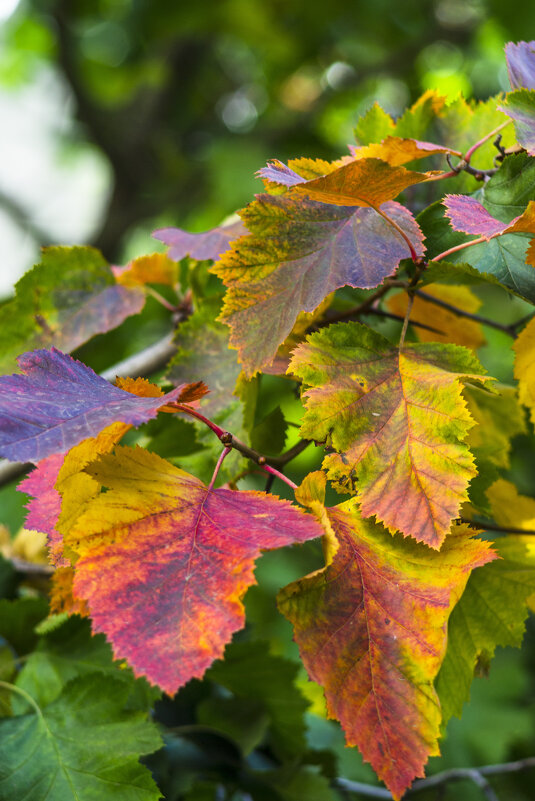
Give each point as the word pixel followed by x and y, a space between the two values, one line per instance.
pixel 397 421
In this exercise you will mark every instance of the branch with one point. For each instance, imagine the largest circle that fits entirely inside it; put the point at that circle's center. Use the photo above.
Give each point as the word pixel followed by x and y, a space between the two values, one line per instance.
pixel 148 361
pixel 476 775
pixel 496 527
pixel 507 329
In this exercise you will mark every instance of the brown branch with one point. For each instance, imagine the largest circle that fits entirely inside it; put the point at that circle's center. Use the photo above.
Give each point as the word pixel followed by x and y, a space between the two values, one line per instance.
pixel 496 527
pixel 507 329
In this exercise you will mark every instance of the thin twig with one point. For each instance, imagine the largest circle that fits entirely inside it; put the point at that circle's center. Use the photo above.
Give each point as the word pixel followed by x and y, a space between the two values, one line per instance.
pixel 470 152
pixel 507 329
pixel 476 775
pixel 278 474
pixel 290 454
pixel 406 320
pixel 225 452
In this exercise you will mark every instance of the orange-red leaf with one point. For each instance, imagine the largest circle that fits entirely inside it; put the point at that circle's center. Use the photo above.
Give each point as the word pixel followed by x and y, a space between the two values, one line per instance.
pixel 371 629
pixel 164 561
pixel 397 419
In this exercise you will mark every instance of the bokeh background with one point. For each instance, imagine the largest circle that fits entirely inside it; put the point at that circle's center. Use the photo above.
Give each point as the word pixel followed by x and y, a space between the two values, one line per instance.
pixel 121 116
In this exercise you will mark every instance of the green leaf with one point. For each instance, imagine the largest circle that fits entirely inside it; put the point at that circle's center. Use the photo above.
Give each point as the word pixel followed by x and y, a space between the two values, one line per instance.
pixel 520 106
pixel 244 720
pixel 64 301
pixel 70 652
pixel 509 191
pixel 491 612
pixel 18 620
pixel 250 671
pixel 269 435
pixel 82 747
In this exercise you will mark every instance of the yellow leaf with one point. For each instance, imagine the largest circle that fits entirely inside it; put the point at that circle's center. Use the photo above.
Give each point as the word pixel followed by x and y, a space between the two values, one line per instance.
pixel 524 348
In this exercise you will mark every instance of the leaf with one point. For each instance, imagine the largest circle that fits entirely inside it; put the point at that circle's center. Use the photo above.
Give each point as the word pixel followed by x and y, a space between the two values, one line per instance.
pixel 376 124
pixel 64 301
pixel 155 269
pixel 371 629
pixel 396 150
pixel 250 671
pixel 365 182
pixel 510 189
pixel 207 245
pixel 524 348
pixel 83 746
pixel 503 258
pixel 491 612
pixel 397 419
pixel 18 620
pixel 520 106
pixel 448 326
pixel 520 58
pixel 299 251
pixel 58 402
pixel 466 214
pixel 164 561
pixel 499 418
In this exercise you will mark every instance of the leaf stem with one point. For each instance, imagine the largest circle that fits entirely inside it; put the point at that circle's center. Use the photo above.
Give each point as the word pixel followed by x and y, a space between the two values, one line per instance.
pixel 462 246
pixel 469 153
pixel 406 319
pixel 277 474
pixel 225 452
pixel 414 256
pixel 12 688
pixel 160 298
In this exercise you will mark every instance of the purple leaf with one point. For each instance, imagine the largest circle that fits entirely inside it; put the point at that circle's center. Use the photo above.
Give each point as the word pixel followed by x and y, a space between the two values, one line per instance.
pixel 520 106
pixel 58 402
pixel 469 216
pixel 206 245
pixel 279 173
pixel 521 64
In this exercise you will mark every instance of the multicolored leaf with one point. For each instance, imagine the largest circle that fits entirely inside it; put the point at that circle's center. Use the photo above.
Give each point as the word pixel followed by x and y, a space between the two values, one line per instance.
pixel 466 214
pixel 164 561
pixel 520 106
pixel 364 182
pixel 206 245
pixel 65 300
pixel 520 58
pixel 371 629
pixel 397 420
pixel 83 745
pixel 298 252
pixel 59 401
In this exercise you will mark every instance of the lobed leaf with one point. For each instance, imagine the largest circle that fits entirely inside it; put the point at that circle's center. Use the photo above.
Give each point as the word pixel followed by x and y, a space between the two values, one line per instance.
pixel 466 214
pixel 397 420
pixel 371 629
pixel 81 746
pixel 59 401
pixel 397 151
pixel 298 252
pixel 164 561
pixel 206 245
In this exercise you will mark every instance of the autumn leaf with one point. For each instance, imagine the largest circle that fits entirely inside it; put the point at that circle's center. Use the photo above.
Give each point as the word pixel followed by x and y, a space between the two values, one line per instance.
pixel 524 348
pixel 397 420
pixel 206 245
pixel 371 629
pixel 466 214
pixel 447 325
pixel 298 252
pixel 155 269
pixel 59 401
pixel 65 300
pixel 520 58
pixel 397 151
pixel 164 561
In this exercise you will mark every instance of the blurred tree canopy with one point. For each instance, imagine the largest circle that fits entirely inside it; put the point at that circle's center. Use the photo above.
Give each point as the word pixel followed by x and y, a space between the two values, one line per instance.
pixel 186 101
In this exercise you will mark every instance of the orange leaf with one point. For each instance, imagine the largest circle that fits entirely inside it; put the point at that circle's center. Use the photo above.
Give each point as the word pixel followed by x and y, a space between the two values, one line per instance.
pixel 164 561
pixel 371 629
